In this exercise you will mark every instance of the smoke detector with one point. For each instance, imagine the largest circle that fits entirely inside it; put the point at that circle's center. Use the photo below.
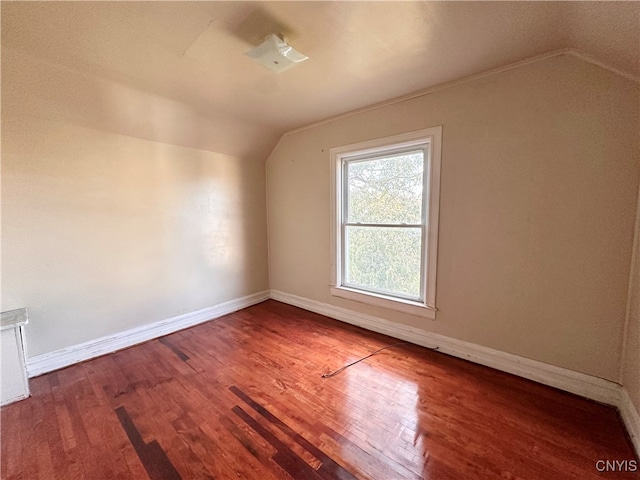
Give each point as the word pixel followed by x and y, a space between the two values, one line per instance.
pixel 276 54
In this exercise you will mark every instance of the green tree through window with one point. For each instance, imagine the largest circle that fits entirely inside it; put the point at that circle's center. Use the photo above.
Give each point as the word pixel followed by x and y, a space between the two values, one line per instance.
pixel 383 223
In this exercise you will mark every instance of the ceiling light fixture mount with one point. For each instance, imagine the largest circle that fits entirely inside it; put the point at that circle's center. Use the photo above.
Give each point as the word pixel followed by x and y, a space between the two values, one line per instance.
pixel 276 54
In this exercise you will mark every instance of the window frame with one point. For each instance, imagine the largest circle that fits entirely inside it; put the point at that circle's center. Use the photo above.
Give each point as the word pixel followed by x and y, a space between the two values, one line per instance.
pixel 429 140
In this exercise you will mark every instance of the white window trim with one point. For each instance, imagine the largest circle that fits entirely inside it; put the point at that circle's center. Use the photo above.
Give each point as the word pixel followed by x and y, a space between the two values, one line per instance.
pixel 432 136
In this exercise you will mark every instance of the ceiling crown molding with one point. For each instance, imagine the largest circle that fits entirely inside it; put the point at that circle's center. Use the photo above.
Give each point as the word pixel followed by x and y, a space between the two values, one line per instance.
pixel 511 66
pixel 593 60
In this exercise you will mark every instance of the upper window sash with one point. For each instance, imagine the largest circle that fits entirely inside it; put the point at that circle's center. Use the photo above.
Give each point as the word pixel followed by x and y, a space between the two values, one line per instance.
pixel 352 163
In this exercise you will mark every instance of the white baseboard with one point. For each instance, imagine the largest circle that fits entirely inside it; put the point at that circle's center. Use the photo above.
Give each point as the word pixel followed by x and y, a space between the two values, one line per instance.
pixel 574 382
pixel 64 357
pixel 631 419
pixel 17 398
pixel 588 386
pixel 579 383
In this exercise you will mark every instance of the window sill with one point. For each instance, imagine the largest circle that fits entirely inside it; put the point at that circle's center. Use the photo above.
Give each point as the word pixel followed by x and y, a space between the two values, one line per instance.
pixel 399 305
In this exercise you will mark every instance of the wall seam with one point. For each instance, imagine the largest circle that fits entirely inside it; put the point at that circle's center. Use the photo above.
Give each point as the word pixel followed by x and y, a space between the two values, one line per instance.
pixel 633 281
pixel 461 81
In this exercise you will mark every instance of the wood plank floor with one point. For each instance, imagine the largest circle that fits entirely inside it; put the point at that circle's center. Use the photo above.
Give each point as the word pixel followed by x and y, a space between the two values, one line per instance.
pixel 242 397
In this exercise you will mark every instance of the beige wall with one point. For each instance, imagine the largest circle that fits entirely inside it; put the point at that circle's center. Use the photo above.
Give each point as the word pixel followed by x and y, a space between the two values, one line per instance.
pixel 631 359
pixel 539 182
pixel 120 208
pixel 116 210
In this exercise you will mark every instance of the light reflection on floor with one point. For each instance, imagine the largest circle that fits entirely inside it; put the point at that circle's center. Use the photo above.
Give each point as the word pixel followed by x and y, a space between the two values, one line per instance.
pixel 396 426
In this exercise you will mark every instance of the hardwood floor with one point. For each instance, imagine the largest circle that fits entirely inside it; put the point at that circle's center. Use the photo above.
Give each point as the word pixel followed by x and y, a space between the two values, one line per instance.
pixel 242 397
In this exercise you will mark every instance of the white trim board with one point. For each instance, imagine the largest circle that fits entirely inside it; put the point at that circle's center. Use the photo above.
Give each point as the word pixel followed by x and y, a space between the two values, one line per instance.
pixel 64 357
pixel 574 382
pixel 588 386
pixel 631 419
pixel 460 81
pixel 581 384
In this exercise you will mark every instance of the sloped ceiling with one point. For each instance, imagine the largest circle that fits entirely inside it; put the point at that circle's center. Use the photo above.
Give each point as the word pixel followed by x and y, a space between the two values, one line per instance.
pixel 361 52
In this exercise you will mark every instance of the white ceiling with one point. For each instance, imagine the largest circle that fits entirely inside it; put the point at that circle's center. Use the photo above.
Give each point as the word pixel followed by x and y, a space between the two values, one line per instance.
pixel 361 52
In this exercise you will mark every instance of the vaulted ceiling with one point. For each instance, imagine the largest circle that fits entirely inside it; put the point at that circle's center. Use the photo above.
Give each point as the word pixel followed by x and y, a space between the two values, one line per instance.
pixel 360 53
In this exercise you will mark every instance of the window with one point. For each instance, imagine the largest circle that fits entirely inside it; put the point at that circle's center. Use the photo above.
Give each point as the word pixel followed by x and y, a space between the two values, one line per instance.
pixel 385 219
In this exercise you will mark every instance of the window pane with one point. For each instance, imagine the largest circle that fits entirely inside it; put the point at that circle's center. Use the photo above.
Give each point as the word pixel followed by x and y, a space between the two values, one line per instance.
pixel 385 190
pixel 385 259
